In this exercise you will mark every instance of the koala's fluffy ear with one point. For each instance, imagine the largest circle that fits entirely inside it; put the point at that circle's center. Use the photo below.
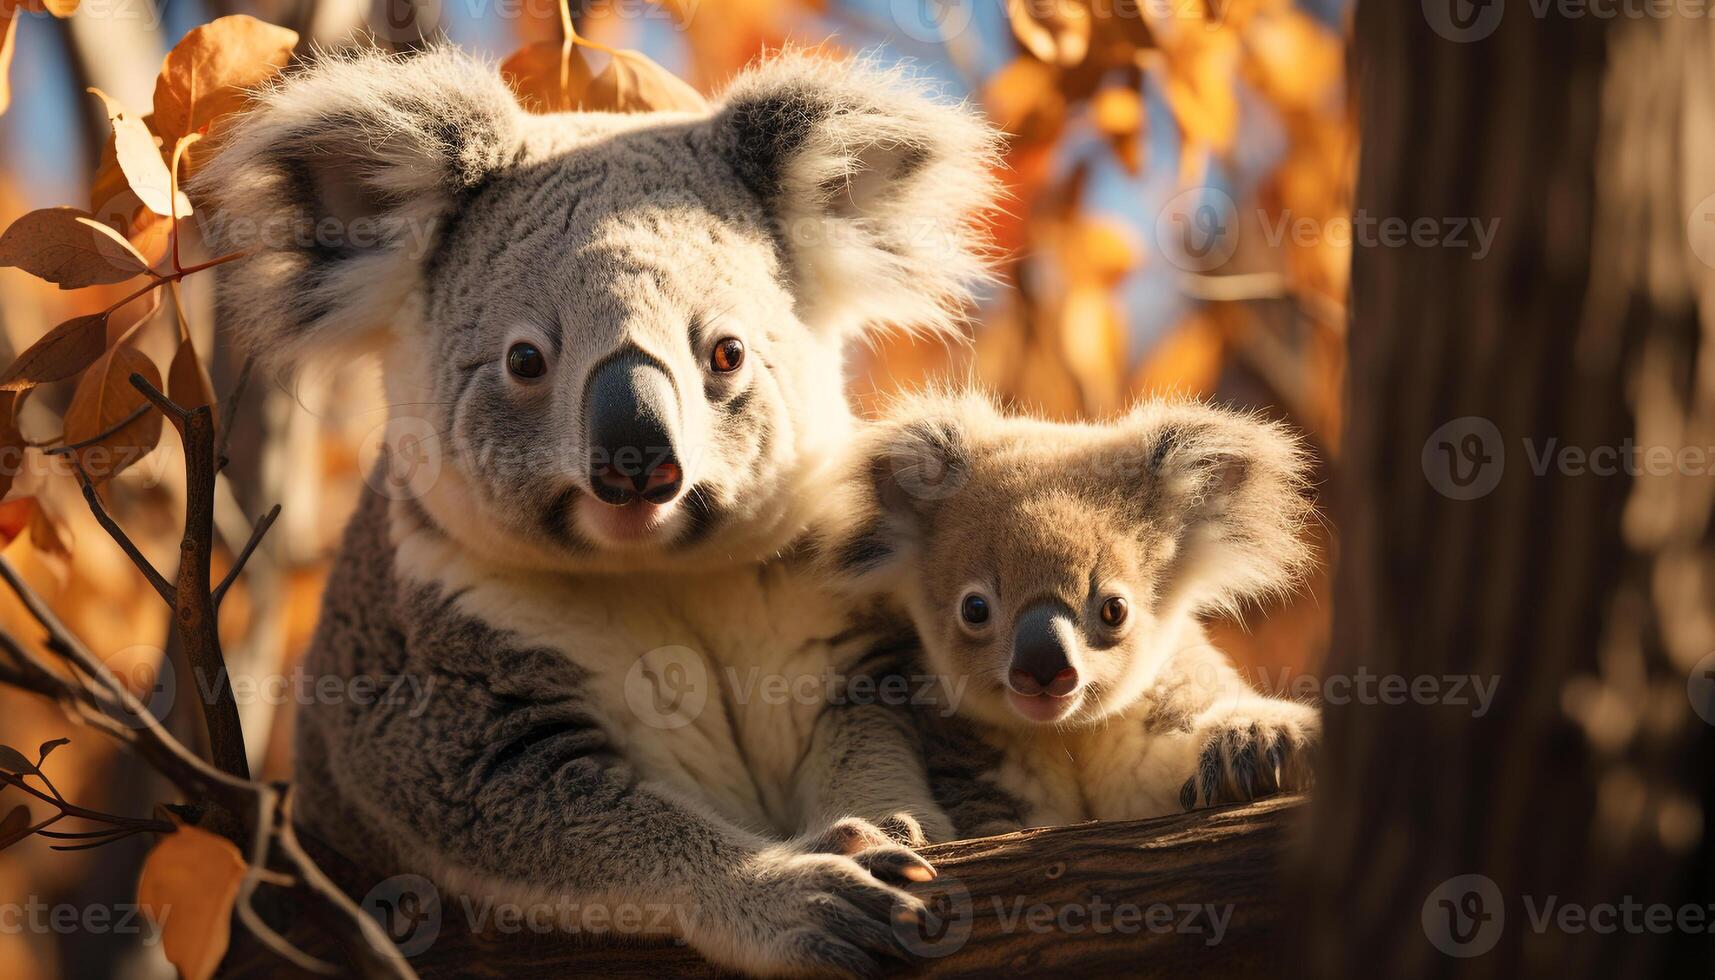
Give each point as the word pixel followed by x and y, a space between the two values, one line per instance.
pixel 875 189
pixel 337 182
pixel 902 469
pixel 1235 488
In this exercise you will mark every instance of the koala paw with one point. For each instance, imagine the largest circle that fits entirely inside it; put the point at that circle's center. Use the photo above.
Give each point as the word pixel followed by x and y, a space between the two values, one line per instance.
pixel 885 849
pixel 790 913
pixel 1250 749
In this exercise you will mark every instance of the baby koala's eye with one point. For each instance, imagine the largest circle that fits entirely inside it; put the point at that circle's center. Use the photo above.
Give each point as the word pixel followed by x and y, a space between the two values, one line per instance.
pixel 974 609
pixel 1114 611
pixel 728 355
pixel 525 360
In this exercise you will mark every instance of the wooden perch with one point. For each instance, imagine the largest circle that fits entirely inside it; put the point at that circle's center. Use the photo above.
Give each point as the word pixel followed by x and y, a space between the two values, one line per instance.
pixel 1193 893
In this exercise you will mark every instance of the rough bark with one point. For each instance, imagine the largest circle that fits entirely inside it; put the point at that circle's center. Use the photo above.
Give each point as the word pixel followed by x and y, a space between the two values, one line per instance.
pixel 1022 903
pixel 1588 596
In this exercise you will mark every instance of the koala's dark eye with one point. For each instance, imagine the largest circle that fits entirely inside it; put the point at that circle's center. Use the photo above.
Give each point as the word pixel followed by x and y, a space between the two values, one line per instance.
pixel 728 355
pixel 1115 610
pixel 974 609
pixel 526 361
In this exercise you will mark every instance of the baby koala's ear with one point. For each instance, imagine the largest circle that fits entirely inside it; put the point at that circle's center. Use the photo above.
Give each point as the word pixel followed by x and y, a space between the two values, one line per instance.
pixel 339 182
pixel 874 187
pixel 901 473
pixel 1233 490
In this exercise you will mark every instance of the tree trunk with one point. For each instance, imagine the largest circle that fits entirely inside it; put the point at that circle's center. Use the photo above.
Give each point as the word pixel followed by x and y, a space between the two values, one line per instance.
pixel 1495 523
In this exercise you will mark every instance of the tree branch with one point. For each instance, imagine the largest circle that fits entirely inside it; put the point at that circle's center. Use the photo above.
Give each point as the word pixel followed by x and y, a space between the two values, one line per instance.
pixel 117 533
pixel 261 529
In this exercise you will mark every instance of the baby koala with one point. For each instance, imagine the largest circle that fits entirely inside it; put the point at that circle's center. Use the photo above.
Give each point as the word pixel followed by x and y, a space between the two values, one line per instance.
pixel 1058 576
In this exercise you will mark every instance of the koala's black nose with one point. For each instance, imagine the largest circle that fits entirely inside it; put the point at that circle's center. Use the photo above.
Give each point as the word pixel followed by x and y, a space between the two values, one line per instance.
pixel 633 413
pixel 1041 652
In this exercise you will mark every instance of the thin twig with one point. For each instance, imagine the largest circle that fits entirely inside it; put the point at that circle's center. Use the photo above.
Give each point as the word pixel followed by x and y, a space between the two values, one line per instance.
pixel 113 430
pixel 108 524
pixel 261 528
pixel 174 412
pixel 229 411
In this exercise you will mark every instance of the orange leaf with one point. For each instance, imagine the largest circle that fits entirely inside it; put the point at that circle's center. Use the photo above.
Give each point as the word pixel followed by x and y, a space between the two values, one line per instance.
pixel 1119 115
pixel 1199 89
pixel 104 398
pixel 62 352
pixel 140 158
pixel 549 76
pixel 1187 361
pixel 8 36
pixel 187 382
pixel 15 827
pixel 113 203
pixel 69 247
pixel 633 83
pixel 59 8
pixel 15 516
pixel 189 883
pixel 209 74
pixel 46 534
pixel 1056 31
pixel 12 450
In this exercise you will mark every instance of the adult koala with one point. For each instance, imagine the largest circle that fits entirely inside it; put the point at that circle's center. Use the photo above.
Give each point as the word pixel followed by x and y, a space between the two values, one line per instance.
pixel 623 336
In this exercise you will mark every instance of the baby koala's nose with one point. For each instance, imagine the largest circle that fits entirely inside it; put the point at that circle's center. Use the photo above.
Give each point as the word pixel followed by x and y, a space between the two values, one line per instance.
pixel 1041 653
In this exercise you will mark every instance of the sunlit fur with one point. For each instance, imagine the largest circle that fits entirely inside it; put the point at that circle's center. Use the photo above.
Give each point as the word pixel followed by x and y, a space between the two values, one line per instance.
pixel 819 199
pixel 1181 509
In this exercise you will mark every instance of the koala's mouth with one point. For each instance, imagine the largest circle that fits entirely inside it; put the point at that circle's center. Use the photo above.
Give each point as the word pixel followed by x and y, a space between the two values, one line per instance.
pixel 1044 708
pixel 638 522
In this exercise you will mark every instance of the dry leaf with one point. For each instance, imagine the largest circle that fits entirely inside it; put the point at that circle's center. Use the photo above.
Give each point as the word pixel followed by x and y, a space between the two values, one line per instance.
pixel 12 449
pixel 1119 115
pixel 8 37
pixel 140 158
pixel 113 203
pixel 187 382
pixel 104 398
pixel 1199 89
pixel 1187 361
pixel 69 247
pixel 189 883
pixel 1295 61
pixel 62 352
pixel 1056 31
pixel 59 8
pixel 15 827
pixel 46 534
pixel 209 75
pixel 633 83
pixel 15 516
pixel 549 76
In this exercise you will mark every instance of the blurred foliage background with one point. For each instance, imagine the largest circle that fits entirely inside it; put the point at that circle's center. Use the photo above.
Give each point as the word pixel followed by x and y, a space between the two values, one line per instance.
pixel 1179 177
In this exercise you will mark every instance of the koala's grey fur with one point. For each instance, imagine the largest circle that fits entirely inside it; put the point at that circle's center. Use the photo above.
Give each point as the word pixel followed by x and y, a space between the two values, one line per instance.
pixel 817 200
pixel 1177 510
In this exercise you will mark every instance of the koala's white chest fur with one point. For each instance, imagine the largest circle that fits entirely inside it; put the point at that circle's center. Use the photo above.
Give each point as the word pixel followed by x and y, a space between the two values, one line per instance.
pixel 711 684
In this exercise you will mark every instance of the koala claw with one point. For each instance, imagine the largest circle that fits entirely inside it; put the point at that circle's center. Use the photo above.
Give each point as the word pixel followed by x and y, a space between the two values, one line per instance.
pixel 885 850
pixel 813 914
pixel 1252 750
